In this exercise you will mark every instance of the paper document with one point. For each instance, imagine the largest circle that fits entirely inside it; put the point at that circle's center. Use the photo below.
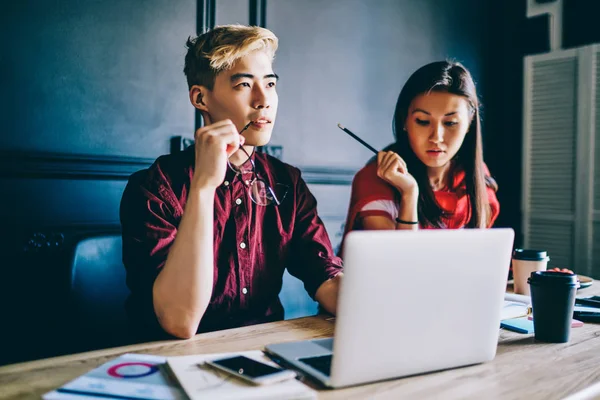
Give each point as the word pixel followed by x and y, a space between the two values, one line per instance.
pixel 515 306
pixel 513 310
pixel 202 382
pixel 517 298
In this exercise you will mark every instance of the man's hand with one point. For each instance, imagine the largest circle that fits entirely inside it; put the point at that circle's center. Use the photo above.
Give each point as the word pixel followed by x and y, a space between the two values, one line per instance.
pixel 183 288
pixel 214 144
pixel 327 293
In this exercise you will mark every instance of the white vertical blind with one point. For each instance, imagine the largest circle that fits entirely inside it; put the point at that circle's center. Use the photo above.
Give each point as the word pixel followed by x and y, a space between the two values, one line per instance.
pixel 561 157
pixel 596 225
pixel 550 159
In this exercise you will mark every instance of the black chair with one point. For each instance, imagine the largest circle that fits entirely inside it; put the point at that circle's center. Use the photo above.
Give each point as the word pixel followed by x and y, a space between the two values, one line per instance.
pixel 98 293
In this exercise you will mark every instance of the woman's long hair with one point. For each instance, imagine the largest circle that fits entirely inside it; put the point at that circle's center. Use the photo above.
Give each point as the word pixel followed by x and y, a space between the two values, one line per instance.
pixel 449 77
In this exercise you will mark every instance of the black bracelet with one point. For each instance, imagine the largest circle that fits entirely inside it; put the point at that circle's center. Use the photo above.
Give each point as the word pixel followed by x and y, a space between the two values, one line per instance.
pixel 398 220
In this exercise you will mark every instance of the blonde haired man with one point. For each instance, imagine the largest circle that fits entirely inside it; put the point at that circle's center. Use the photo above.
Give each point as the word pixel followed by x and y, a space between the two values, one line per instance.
pixel 208 232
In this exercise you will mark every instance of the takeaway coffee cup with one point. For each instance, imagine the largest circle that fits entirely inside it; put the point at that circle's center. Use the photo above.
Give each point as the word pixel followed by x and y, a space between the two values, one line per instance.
pixel 524 262
pixel 552 299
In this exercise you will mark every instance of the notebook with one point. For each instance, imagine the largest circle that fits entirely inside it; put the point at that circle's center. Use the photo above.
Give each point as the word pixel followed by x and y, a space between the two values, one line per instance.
pixel 515 306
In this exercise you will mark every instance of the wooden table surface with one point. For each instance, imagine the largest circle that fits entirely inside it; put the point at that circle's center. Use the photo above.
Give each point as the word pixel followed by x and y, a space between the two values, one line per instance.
pixel 523 368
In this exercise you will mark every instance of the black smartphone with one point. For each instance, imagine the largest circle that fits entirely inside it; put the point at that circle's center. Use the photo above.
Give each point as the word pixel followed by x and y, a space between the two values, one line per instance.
pixel 251 370
pixel 585 316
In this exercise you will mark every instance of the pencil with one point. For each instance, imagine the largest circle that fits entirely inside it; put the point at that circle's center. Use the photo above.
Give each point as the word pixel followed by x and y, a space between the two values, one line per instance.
pixel 246 127
pixel 367 145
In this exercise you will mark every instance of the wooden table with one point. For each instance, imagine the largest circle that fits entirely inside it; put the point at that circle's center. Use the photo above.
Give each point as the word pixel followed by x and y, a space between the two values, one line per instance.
pixel 522 368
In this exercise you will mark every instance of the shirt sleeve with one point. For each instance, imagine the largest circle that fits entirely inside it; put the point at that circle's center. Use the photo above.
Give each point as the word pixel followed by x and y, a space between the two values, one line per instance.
pixel 387 208
pixel 367 187
pixel 149 218
pixel 312 259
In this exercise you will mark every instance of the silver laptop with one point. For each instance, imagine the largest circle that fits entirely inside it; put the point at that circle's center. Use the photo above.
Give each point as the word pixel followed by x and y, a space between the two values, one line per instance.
pixel 411 302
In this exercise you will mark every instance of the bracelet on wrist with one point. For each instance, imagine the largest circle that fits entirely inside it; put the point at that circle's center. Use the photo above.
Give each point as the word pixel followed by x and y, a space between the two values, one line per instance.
pixel 400 221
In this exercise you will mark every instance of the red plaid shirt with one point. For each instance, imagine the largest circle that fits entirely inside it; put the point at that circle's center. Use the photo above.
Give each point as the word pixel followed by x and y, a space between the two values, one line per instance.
pixel 252 244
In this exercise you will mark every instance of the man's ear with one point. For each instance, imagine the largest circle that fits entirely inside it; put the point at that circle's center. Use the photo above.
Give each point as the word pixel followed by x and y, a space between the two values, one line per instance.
pixel 197 99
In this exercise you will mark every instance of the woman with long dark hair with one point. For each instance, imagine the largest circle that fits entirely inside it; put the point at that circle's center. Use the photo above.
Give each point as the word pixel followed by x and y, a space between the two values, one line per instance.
pixel 433 176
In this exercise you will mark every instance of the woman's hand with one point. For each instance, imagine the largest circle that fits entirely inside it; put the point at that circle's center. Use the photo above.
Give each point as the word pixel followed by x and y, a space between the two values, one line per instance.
pixel 392 169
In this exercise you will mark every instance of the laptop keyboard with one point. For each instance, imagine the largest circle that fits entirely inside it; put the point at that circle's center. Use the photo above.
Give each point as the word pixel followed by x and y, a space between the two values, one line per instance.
pixel 320 363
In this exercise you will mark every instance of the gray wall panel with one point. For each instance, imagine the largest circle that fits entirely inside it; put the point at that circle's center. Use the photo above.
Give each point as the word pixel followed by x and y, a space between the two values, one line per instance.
pixel 346 61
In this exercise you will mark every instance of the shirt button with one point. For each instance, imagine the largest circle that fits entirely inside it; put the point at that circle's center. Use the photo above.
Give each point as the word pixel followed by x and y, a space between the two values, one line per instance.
pixel 242 245
pixel 226 183
pixel 244 290
pixel 238 201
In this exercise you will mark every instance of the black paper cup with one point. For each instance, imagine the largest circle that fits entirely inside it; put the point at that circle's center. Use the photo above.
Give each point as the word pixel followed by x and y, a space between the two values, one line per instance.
pixel 552 299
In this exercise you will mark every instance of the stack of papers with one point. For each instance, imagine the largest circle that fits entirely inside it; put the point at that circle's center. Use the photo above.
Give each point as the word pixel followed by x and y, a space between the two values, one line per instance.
pixel 148 377
pixel 200 382
pixel 513 309
pixel 515 306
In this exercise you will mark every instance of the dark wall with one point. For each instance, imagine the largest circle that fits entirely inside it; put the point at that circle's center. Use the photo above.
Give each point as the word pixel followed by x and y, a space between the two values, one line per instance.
pixel 94 77
pixel 580 23
pixel 502 99
pixel 232 12
pixel 91 92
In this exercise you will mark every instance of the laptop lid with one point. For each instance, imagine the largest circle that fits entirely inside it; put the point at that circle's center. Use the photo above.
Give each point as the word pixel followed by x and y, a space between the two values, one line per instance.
pixel 414 302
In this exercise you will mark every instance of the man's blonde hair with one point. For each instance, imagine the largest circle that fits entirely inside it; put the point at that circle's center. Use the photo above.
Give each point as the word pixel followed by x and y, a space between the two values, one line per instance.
pixel 218 49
